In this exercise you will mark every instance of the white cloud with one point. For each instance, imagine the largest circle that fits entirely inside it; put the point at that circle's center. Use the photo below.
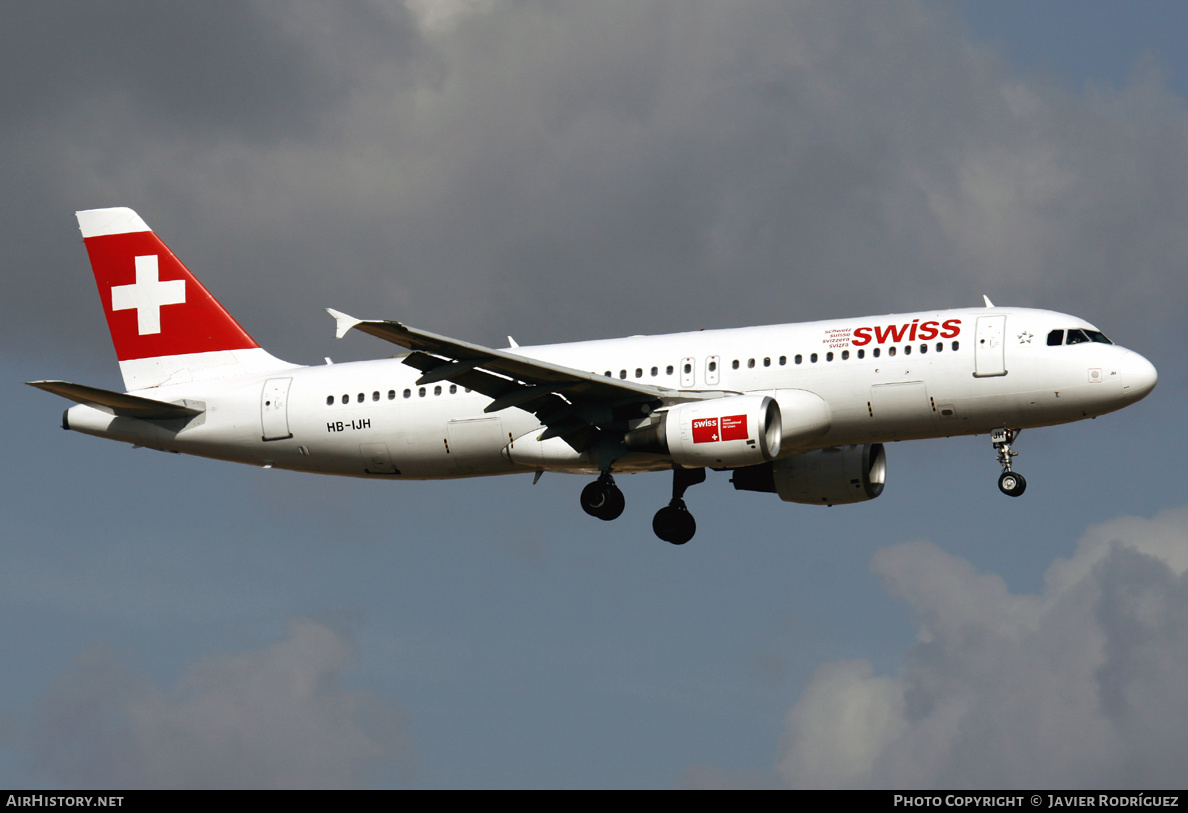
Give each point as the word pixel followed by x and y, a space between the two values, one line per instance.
pixel 278 717
pixel 439 16
pixel 1081 686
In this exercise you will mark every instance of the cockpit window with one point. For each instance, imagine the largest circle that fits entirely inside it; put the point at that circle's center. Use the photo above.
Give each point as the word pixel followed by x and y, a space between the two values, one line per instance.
pixel 1076 335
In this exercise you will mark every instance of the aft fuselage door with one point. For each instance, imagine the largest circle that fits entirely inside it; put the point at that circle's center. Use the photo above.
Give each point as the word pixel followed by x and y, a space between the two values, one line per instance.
pixel 989 347
pixel 274 409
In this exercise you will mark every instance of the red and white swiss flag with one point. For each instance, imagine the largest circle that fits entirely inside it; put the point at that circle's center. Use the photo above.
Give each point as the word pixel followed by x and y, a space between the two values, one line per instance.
pixel 154 305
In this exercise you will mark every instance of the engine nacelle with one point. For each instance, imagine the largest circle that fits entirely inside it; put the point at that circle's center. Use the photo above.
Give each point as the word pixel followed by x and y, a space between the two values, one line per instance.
pixel 722 433
pixel 835 476
pixel 806 417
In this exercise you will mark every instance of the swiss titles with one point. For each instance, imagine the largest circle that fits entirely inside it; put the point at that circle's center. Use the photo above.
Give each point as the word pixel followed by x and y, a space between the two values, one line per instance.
pixel 912 331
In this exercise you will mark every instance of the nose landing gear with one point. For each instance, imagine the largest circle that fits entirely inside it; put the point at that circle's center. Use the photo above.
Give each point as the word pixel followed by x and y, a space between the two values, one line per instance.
pixel 1009 482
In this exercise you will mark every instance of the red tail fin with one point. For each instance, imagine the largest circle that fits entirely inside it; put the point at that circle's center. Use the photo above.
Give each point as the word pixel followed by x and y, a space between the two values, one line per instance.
pixel 166 327
pixel 154 305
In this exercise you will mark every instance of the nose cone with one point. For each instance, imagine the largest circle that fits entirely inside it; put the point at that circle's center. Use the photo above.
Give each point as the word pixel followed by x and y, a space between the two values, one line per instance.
pixel 1138 376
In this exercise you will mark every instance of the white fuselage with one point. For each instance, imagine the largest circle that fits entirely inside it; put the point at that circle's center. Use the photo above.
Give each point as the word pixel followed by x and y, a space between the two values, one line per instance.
pixel 883 378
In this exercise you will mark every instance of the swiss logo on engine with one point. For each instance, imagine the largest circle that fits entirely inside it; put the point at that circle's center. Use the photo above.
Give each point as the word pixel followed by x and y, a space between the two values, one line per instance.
pixel 710 430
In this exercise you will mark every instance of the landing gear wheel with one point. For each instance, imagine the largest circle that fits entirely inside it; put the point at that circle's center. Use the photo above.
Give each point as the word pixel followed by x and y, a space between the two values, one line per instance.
pixel 673 523
pixel 1012 484
pixel 603 499
pixel 1009 482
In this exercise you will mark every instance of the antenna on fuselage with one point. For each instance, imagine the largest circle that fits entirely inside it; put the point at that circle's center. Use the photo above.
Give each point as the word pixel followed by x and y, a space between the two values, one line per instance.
pixel 986 299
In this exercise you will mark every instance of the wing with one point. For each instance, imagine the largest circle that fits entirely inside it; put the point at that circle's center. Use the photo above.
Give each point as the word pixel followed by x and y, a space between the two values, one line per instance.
pixel 572 404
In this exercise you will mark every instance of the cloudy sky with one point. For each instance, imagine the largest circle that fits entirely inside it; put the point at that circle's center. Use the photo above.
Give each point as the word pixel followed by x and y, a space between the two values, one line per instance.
pixel 562 171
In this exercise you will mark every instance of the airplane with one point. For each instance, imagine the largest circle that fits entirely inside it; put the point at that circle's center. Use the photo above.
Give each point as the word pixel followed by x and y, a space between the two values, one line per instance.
pixel 799 410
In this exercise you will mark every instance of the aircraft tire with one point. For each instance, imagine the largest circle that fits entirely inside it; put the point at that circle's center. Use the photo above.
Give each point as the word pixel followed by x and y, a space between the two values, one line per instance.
pixel 603 500
pixel 1012 484
pixel 674 524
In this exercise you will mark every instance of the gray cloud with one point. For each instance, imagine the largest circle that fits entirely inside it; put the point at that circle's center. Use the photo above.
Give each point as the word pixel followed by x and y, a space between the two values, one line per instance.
pixel 575 171
pixel 275 717
pixel 1080 686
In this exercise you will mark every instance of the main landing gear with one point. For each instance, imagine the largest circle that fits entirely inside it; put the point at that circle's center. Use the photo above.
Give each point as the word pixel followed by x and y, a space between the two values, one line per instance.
pixel 1009 482
pixel 672 523
pixel 603 499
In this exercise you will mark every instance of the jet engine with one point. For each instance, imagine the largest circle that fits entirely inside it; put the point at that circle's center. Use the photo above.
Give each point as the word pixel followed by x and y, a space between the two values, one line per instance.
pixel 721 433
pixel 835 476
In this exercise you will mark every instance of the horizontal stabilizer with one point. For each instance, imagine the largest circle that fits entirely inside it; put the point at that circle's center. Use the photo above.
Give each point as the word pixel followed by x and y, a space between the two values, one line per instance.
pixel 116 403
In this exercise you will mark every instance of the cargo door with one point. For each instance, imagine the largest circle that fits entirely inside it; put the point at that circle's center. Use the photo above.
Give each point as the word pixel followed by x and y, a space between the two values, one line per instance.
pixel 376 459
pixel 476 446
pixel 903 410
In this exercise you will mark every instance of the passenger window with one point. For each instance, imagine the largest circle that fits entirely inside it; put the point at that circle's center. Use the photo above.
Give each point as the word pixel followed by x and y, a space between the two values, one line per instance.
pixel 329 400
pixel 907 349
pixel 734 364
pixel 408 393
pixel 391 395
pixel 956 345
pixel 360 398
pixel 890 351
pixel 639 372
pixel 813 358
pixel 799 358
pixel 437 390
pixel 767 362
pixel 845 354
pixel 923 348
pixel 688 369
pixel 829 356
pixel 622 373
pixel 783 360
pixel 861 354
pixel 668 370
pixel 608 374
pixel 346 399
pixel 453 389
pixel 877 352
pixel 655 372
pixel 750 364
pixel 713 365
pixel 1055 338
pixel 375 395
pixel 421 392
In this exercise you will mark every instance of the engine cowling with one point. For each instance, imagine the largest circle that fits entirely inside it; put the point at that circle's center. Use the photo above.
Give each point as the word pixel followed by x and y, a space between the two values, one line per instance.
pixel 722 433
pixel 835 476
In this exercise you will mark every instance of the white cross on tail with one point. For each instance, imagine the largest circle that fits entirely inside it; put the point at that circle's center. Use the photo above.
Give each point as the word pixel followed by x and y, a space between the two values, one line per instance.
pixel 147 295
